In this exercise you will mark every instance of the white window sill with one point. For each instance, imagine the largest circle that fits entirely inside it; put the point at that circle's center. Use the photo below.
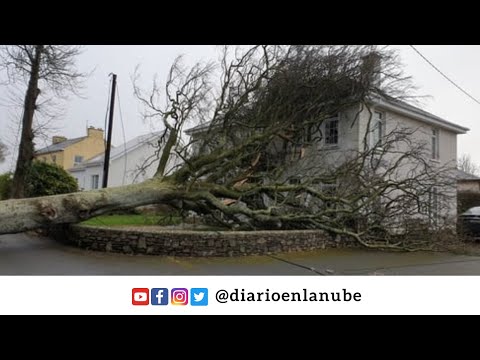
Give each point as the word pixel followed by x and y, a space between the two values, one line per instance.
pixel 436 161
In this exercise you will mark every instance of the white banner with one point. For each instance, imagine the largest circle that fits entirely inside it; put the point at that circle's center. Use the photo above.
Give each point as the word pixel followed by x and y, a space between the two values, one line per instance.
pixel 179 295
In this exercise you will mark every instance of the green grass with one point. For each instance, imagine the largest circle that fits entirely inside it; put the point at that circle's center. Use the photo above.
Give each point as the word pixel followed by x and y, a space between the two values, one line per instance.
pixel 141 220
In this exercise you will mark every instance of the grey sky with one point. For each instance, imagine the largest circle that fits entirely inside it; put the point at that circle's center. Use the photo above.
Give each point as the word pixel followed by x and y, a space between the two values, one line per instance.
pixel 459 62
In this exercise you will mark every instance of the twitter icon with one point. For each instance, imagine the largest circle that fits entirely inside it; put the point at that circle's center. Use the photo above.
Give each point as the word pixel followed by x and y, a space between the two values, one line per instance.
pixel 199 297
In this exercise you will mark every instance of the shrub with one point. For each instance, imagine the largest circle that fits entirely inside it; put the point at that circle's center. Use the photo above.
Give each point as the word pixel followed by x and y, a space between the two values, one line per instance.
pixel 42 180
pixel 5 185
pixel 49 179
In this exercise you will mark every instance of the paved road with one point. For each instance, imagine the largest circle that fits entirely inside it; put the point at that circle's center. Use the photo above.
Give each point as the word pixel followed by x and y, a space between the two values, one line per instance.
pixel 24 254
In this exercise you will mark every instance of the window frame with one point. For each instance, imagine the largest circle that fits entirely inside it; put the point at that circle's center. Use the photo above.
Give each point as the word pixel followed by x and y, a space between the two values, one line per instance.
pixel 435 144
pixel 377 132
pixel 334 119
pixel 95 181
pixel 75 162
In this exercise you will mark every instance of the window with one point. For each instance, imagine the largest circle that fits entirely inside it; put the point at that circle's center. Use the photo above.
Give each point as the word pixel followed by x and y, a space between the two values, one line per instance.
pixel 95 179
pixel 331 131
pixel 54 159
pixel 77 160
pixel 378 129
pixel 435 145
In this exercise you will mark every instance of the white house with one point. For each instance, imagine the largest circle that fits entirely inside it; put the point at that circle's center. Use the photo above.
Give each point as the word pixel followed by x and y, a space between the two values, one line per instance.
pixel 135 161
pixel 352 131
pixel 436 137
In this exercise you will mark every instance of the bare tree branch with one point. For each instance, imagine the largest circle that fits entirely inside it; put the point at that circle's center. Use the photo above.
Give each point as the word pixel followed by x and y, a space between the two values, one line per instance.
pixel 466 164
pixel 50 73
pixel 266 153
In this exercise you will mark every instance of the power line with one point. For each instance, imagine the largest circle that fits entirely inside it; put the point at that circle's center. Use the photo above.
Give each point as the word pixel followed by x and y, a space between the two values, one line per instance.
pixel 445 76
pixel 124 139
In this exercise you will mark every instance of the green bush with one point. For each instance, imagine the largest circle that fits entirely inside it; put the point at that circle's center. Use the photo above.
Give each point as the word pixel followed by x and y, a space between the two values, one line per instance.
pixel 5 185
pixel 42 180
pixel 49 179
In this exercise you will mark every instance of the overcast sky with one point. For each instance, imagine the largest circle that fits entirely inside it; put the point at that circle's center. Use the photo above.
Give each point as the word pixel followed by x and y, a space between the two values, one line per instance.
pixel 459 62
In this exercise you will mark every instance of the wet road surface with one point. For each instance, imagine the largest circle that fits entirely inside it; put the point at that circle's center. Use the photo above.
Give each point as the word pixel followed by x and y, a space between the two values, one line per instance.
pixel 24 254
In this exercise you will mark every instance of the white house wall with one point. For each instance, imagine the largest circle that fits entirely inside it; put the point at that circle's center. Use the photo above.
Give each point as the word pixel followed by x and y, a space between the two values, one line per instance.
pixel 89 172
pixel 141 164
pixel 320 157
pixel 422 136
pixel 352 137
pixel 130 164
pixel 133 166
pixel 80 177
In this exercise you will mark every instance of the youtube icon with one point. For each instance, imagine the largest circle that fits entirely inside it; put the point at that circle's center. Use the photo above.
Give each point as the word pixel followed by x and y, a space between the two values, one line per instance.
pixel 140 297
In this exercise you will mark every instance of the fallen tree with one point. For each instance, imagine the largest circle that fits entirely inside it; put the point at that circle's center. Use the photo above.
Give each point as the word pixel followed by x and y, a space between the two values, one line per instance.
pixel 255 161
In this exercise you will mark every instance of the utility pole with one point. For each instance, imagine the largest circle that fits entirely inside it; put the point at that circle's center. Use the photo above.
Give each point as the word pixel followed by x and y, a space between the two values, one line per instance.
pixel 106 162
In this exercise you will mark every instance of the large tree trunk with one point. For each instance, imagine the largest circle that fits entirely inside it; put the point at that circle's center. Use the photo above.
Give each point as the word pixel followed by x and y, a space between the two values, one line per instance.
pixel 26 150
pixel 27 214
pixel 171 142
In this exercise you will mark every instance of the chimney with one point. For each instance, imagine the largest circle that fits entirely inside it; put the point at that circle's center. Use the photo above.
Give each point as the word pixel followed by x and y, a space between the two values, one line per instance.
pixel 58 139
pixel 372 67
pixel 94 132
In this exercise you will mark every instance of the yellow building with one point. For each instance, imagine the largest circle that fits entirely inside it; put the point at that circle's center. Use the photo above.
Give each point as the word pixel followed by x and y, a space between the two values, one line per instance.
pixel 69 153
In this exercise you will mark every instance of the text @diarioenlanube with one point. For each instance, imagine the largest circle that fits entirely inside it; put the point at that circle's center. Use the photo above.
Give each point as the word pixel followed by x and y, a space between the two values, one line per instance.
pixel 304 295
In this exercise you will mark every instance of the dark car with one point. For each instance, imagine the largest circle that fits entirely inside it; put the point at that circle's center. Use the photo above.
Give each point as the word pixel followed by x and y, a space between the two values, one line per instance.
pixel 470 221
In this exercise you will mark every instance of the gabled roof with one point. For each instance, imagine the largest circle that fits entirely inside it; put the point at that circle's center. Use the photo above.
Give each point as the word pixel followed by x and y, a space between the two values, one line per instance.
pixel 462 175
pixel 394 105
pixel 414 112
pixel 59 147
pixel 119 151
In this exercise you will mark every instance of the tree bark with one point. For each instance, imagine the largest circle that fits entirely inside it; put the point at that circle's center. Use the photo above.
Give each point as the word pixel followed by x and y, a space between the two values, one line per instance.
pixel 26 150
pixel 166 153
pixel 20 215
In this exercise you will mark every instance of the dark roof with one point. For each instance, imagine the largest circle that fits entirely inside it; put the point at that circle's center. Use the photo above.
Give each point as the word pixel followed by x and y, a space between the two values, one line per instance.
pixel 58 147
pixel 462 175
pixel 409 107
pixel 386 100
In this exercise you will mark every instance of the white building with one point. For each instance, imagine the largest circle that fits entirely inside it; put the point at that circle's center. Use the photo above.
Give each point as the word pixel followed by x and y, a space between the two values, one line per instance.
pixel 352 131
pixel 435 136
pixel 131 163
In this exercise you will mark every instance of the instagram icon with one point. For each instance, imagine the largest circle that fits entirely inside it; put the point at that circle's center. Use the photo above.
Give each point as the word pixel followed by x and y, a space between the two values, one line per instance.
pixel 179 297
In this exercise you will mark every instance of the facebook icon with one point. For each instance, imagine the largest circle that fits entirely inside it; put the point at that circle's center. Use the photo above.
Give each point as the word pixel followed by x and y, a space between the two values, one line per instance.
pixel 159 297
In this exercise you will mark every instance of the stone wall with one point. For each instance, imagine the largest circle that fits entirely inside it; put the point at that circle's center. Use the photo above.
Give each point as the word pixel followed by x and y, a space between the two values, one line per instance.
pixel 156 241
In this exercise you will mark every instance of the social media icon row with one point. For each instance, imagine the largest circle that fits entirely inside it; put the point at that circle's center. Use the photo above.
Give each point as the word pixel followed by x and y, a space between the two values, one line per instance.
pixel 178 296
